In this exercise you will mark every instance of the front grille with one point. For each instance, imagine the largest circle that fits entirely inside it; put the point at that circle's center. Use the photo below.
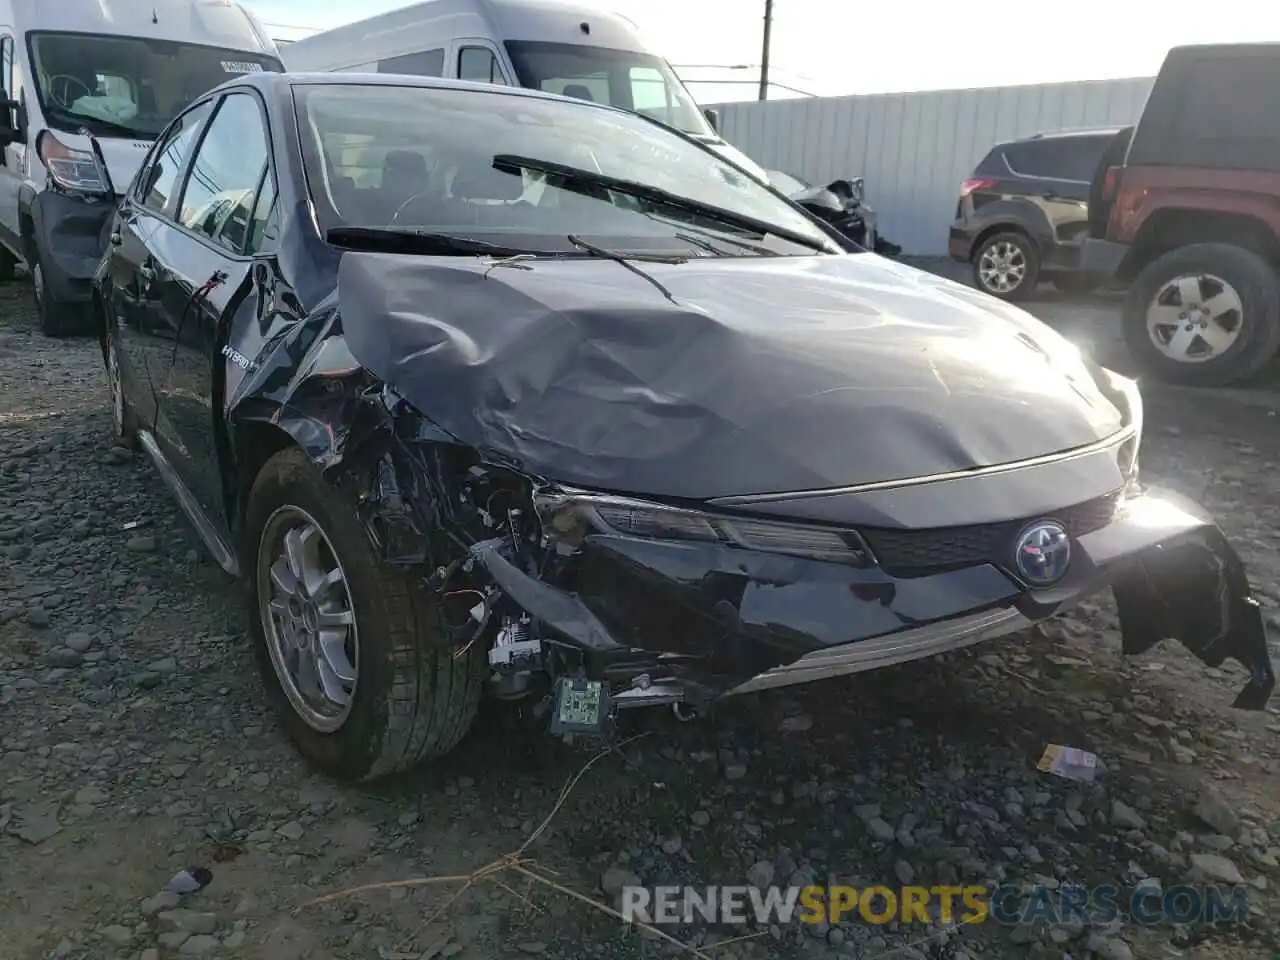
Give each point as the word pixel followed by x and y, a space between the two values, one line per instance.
pixel 944 547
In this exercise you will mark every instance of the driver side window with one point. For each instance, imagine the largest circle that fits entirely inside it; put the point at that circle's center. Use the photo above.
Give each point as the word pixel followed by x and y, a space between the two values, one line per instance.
pixel 158 180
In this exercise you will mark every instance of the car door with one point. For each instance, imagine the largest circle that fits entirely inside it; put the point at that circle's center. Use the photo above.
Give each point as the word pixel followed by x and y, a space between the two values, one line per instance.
pixel 138 229
pixel 206 278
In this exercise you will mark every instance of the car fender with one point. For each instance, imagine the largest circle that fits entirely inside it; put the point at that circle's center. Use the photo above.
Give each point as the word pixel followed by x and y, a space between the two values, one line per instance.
pixel 1001 215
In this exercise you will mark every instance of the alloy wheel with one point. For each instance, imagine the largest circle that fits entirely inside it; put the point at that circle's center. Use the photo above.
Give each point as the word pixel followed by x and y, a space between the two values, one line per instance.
pixel 1192 319
pixel 308 618
pixel 1002 267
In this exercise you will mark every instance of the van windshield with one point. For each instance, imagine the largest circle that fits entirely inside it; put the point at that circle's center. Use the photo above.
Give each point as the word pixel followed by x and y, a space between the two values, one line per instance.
pixel 626 79
pixel 128 86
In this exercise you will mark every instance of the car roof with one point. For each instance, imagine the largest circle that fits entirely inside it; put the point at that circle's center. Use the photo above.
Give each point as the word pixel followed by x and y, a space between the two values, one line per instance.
pixel 1067 134
pixel 266 82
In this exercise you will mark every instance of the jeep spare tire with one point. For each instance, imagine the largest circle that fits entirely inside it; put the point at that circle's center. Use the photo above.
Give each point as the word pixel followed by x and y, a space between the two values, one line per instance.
pixel 1207 314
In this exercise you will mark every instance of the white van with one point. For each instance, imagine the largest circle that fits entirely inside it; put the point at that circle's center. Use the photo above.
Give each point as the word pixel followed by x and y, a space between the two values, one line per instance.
pixel 88 84
pixel 567 48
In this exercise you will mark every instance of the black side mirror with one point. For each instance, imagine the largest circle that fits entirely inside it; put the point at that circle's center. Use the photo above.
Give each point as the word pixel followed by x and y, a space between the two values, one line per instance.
pixel 713 118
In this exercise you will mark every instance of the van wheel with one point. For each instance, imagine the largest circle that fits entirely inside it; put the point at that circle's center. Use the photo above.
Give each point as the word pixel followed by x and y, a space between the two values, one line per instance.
pixel 1007 266
pixel 1207 314
pixel 354 654
pixel 57 319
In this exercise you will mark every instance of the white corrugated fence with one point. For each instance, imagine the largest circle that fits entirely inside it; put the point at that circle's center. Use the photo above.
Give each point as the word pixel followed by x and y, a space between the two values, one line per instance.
pixel 914 149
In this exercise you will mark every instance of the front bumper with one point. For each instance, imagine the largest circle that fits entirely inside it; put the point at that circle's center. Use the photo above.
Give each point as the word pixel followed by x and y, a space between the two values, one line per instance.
pixel 736 621
pixel 69 234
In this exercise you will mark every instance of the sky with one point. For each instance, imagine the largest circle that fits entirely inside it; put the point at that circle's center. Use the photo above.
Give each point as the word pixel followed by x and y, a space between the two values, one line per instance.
pixel 830 47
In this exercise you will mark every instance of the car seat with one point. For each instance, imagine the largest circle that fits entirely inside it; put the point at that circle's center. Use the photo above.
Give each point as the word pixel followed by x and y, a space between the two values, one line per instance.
pixel 578 91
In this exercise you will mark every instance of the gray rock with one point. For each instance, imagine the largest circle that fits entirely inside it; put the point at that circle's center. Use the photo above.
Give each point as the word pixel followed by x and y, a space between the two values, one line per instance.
pixel 700 818
pixel 292 830
pixel 797 724
pixel 1108 948
pixel 199 946
pixel 1214 809
pixel 140 544
pixel 615 878
pixel 1212 866
pixel 188 921
pixel 1123 815
pixel 79 642
pixel 119 935
pixel 760 874
pixel 880 830
pixel 905 873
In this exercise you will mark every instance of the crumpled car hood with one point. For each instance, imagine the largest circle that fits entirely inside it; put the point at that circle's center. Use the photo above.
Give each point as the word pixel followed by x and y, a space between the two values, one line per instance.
pixel 740 376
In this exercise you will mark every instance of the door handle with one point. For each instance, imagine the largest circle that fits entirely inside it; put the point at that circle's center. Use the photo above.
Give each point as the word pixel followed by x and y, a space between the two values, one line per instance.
pixel 116 239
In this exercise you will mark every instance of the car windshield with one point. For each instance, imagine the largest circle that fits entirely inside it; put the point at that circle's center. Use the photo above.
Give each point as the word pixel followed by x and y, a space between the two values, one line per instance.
pixel 529 171
pixel 626 79
pixel 128 85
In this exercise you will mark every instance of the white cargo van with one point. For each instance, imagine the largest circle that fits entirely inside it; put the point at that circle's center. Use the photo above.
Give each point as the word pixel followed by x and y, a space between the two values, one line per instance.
pixel 88 84
pixel 572 49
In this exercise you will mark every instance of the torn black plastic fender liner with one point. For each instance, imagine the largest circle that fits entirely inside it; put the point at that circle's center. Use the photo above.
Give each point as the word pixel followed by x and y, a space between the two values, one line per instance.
pixel 1196 592
pixel 559 610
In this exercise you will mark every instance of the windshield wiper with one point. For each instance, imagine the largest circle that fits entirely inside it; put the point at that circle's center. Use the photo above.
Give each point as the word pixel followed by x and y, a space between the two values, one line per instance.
pixel 97 125
pixel 625 260
pixel 513 163
pixel 408 240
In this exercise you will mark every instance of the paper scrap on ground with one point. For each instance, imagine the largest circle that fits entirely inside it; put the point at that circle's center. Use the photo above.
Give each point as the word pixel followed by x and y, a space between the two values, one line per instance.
pixel 1070 763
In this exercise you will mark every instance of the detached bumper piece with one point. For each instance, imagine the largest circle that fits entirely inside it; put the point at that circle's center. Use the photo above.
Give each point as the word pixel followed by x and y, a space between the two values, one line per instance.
pixel 1196 592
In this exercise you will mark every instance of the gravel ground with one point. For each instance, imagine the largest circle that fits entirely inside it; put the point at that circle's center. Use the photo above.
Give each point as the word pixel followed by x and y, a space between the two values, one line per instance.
pixel 134 742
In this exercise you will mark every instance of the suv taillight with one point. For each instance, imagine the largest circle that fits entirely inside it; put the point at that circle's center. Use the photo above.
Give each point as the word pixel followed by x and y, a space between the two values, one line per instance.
pixel 975 183
pixel 1111 183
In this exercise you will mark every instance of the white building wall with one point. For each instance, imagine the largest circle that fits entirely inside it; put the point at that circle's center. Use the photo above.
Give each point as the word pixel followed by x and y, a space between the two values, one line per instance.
pixel 914 149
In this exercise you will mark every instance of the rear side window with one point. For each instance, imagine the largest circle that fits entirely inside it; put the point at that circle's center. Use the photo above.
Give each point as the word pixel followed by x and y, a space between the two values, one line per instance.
pixel 1057 158
pixel 1231 99
pixel 992 164
pixel 223 183
pixel 427 63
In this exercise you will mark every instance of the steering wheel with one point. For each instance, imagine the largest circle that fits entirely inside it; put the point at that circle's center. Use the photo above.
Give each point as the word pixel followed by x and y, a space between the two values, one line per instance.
pixel 69 83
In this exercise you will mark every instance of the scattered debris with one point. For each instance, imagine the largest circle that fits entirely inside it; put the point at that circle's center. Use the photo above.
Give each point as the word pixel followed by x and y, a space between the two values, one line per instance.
pixel 1070 763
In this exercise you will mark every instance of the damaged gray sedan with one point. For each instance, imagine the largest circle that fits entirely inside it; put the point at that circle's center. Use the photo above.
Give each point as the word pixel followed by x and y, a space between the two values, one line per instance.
pixel 487 393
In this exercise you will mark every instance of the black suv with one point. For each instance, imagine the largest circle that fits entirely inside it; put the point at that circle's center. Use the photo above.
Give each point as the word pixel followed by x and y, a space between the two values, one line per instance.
pixel 1022 215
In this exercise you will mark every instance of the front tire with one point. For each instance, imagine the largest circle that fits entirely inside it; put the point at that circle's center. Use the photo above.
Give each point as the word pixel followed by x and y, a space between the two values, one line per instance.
pixel 57 319
pixel 1007 265
pixel 352 652
pixel 1207 314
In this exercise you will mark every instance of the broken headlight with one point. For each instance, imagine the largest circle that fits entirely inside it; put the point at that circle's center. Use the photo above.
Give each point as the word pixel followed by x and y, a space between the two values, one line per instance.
pixel 1131 397
pixel 568 517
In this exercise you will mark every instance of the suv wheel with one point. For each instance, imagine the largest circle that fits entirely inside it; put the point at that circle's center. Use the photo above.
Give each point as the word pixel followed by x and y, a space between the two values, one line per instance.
pixel 1206 314
pixel 354 654
pixel 1007 266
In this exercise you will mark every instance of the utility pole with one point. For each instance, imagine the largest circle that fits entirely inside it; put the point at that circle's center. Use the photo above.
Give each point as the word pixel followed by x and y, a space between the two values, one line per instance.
pixel 764 53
